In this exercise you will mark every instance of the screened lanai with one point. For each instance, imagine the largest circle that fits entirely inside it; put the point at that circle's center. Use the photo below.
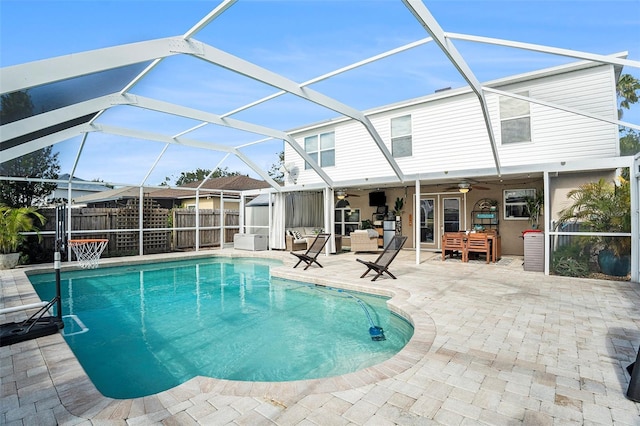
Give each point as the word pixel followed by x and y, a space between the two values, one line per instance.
pixel 225 85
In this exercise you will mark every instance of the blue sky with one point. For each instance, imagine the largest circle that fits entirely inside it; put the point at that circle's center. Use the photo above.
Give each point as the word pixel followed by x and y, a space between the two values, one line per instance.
pixel 301 40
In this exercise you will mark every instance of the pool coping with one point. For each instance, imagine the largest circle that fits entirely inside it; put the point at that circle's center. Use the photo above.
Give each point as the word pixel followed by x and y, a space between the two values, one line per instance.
pixel 82 399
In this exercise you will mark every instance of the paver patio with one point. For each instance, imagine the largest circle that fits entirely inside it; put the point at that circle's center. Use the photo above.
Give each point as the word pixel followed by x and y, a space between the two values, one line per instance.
pixel 493 344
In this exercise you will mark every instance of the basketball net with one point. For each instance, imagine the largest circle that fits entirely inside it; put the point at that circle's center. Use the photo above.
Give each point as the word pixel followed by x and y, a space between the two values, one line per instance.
pixel 88 251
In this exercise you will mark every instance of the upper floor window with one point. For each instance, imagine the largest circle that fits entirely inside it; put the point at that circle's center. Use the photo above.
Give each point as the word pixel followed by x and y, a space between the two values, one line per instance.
pixel 321 148
pixel 515 119
pixel 401 145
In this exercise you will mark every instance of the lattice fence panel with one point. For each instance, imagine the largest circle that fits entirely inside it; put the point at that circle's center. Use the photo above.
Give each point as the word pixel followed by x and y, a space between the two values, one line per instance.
pixel 153 217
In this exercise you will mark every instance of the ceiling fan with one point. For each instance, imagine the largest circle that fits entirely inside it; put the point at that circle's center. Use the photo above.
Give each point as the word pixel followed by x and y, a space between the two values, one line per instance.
pixel 465 186
pixel 341 194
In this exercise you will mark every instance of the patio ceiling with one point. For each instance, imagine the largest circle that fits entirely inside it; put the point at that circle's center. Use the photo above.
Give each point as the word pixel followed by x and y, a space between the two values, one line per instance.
pixel 86 92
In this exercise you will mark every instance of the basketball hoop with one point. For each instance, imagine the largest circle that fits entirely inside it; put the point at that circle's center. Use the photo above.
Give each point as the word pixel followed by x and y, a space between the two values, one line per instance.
pixel 88 251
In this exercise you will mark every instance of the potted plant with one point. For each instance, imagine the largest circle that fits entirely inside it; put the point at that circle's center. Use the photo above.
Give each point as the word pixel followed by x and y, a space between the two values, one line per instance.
pixel 367 224
pixel 535 205
pixel 14 221
pixel 397 211
pixel 397 208
pixel 493 205
pixel 604 207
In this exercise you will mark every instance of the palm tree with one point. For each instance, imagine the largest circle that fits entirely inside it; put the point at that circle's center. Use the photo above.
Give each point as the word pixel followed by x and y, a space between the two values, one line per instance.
pixel 627 91
pixel 604 207
pixel 13 221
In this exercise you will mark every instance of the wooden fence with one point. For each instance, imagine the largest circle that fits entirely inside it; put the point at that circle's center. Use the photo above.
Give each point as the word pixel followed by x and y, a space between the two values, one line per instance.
pixel 186 218
pixel 120 226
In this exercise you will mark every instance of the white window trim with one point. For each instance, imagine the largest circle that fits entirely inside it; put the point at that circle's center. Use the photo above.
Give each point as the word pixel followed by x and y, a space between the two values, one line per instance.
pixel 320 150
pixel 504 203
pixel 342 216
pixel 410 134
pixel 523 93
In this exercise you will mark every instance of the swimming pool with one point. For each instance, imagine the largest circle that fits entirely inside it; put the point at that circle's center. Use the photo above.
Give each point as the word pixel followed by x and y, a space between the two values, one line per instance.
pixel 140 329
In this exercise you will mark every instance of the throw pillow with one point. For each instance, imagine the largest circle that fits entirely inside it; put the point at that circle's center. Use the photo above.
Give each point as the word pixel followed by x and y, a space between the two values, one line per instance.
pixel 296 235
pixel 372 233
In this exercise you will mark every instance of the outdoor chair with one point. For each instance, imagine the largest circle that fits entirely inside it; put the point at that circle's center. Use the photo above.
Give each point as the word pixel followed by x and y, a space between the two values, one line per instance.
pixel 453 244
pixel 309 256
pixel 364 240
pixel 477 242
pixel 381 264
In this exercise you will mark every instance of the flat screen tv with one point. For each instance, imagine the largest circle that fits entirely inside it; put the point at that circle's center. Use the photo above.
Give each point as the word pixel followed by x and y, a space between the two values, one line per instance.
pixel 377 199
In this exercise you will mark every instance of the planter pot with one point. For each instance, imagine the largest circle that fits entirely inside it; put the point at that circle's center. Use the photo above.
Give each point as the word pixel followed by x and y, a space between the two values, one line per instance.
pixel 9 261
pixel 610 264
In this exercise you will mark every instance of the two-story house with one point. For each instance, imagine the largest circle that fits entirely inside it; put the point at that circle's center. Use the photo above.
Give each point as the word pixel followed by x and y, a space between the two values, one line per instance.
pixel 451 154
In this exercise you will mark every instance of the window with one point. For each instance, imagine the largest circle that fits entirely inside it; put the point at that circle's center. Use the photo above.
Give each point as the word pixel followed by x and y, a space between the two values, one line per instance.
pixel 401 137
pixel 515 120
pixel 427 222
pixel 346 219
pixel 321 148
pixel 515 203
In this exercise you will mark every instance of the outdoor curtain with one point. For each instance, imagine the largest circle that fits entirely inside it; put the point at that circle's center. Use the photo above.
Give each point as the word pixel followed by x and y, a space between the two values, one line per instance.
pixel 304 209
pixel 276 238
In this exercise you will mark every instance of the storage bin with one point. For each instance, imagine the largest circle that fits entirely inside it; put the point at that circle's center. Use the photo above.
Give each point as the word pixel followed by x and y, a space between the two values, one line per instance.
pixel 253 242
pixel 533 250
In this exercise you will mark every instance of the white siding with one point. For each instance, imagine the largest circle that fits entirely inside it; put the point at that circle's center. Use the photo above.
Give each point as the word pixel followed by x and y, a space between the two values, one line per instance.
pixel 449 133
pixel 559 135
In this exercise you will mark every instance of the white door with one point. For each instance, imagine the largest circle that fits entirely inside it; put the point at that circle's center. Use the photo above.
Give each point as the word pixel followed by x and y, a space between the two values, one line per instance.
pixel 439 214
pixel 428 231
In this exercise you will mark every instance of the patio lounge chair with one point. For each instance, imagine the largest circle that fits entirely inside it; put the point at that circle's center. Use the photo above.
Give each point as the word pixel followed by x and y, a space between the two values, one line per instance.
pixel 309 256
pixel 381 264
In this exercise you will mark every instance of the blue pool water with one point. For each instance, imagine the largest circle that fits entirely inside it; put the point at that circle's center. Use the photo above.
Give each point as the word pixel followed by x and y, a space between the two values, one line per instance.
pixel 141 329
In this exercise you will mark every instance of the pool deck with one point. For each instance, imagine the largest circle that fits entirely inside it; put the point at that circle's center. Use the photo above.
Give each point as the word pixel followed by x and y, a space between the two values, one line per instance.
pixel 493 344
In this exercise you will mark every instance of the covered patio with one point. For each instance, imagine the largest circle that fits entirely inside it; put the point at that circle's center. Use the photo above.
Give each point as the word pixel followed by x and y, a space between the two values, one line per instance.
pixel 94 122
pixel 493 344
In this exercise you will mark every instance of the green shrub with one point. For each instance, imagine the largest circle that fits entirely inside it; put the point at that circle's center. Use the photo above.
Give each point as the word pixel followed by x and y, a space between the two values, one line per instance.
pixel 571 260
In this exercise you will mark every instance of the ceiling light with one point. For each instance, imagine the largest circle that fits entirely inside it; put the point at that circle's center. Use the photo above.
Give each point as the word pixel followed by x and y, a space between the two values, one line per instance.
pixel 340 194
pixel 463 187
